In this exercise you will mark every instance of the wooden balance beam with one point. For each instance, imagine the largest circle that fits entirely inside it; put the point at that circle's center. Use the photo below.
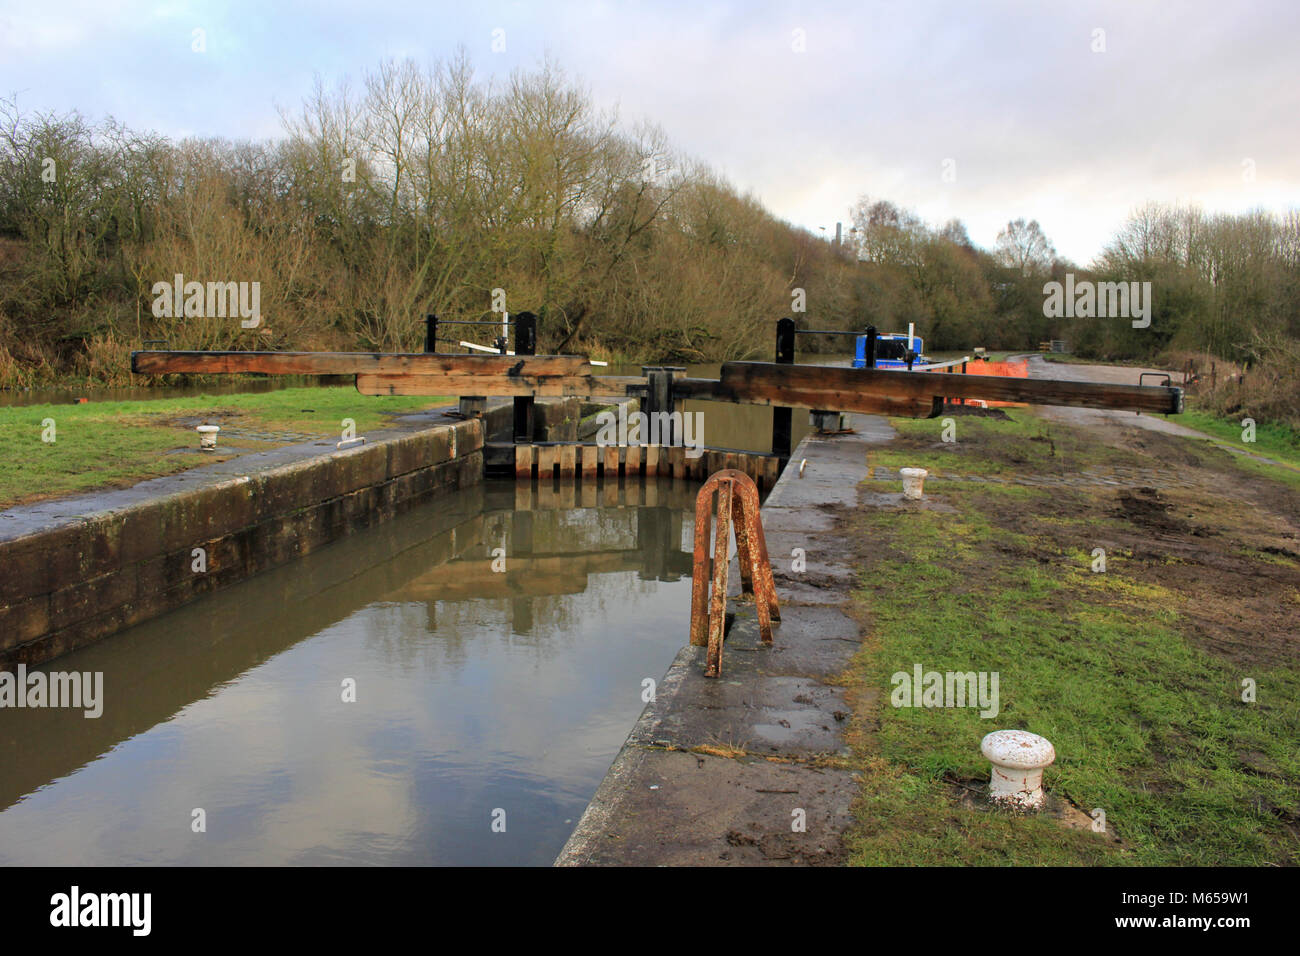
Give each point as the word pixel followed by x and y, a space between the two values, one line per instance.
pixel 919 394
pixel 872 391
pixel 411 373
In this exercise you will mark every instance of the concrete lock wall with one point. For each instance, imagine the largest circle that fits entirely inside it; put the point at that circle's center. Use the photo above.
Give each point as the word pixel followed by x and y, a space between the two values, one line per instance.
pixel 70 585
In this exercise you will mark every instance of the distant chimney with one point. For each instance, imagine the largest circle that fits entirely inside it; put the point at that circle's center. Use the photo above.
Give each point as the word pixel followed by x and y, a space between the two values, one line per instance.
pixel 839 226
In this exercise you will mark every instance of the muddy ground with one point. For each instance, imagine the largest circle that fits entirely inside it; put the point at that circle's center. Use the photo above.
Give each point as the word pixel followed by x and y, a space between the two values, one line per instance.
pixel 1184 516
pixel 1229 544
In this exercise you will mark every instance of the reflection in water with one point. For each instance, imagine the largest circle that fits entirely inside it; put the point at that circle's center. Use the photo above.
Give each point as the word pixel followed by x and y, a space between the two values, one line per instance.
pixel 742 427
pixel 476 690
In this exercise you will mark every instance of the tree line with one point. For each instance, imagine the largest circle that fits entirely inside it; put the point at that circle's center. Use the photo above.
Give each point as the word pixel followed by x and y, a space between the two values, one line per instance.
pixel 426 188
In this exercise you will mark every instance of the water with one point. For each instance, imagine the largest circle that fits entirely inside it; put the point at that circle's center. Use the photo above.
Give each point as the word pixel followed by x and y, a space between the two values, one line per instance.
pixel 477 691
pixel 735 426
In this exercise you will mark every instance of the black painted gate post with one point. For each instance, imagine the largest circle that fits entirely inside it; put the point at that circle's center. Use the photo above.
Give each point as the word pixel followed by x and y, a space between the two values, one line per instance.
pixel 782 416
pixel 431 333
pixel 659 401
pixel 525 344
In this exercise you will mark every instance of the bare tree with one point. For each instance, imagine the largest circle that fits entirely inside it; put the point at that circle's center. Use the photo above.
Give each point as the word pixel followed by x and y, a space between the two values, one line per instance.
pixel 1023 246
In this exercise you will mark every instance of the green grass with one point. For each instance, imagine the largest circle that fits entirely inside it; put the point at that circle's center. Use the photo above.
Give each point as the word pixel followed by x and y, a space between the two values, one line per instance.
pixel 1272 439
pixel 1277 442
pixel 108 444
pixel 1066 358
pixel 988 446
pixel 1146 726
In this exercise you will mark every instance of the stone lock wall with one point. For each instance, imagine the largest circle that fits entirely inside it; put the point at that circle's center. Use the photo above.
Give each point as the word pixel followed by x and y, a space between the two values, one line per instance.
pixel 65 586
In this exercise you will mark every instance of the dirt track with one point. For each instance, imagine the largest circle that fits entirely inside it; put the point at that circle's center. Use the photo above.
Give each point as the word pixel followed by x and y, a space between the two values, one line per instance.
pixel 1123 375
pixel 1039 367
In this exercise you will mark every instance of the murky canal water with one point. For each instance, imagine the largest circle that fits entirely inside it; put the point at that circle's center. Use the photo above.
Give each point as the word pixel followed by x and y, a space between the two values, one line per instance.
pixel 480 695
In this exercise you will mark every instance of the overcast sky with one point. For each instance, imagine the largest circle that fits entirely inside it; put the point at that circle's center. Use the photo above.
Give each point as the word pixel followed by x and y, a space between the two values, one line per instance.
pixel 1188 101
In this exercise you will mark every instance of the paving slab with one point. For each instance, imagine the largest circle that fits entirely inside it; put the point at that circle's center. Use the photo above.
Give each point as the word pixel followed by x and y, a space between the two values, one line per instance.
pixel 672 808
pixel 738 770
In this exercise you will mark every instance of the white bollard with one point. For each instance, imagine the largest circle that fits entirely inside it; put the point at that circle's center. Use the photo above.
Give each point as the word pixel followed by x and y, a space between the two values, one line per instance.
pixel 913 480
pixel 207 437
pixel 1018 759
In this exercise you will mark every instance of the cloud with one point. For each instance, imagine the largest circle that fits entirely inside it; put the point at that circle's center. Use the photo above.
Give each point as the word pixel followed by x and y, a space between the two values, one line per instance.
pixel 1038 122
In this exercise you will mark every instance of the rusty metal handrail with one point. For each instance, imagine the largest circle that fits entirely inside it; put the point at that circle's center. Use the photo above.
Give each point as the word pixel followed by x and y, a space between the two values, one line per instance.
pixel 738 506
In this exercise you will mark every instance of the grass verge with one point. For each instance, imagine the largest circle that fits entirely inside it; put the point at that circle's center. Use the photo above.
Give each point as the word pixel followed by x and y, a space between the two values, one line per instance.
pixel 1148 721
pixel 1272 439
pixel 110 444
